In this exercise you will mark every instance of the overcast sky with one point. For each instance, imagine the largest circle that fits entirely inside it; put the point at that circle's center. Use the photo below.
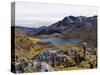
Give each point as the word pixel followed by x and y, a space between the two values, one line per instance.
pixel 40 14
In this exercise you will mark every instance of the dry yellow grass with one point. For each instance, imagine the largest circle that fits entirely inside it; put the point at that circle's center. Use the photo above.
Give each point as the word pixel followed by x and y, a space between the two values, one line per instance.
pixel 33 39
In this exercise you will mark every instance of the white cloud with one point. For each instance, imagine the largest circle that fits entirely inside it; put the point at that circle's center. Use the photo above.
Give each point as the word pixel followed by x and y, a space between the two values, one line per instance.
pixel 39 13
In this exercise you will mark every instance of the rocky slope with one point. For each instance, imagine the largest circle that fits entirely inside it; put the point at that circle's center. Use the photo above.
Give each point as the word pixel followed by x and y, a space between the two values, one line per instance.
pixel 70 24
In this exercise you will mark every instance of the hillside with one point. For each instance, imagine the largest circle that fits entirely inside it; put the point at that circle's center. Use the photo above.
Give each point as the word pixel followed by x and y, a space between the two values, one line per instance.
pixel 71 26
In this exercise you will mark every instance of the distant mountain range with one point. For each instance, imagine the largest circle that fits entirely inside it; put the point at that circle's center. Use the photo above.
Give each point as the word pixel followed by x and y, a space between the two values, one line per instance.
pixel 70 24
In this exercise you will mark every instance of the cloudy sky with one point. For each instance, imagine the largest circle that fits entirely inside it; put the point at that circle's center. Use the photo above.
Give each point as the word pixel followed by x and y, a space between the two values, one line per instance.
pixel 41 14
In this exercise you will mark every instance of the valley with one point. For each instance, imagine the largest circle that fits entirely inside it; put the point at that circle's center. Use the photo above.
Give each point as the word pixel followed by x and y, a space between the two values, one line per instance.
pixel 68 44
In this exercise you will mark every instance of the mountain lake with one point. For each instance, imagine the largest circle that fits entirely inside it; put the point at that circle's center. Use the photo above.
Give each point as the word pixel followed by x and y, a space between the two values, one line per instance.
pixel 61 40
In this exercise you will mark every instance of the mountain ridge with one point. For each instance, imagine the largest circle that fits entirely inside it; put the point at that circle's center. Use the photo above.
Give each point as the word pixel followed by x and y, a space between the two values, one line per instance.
pixel 70 24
